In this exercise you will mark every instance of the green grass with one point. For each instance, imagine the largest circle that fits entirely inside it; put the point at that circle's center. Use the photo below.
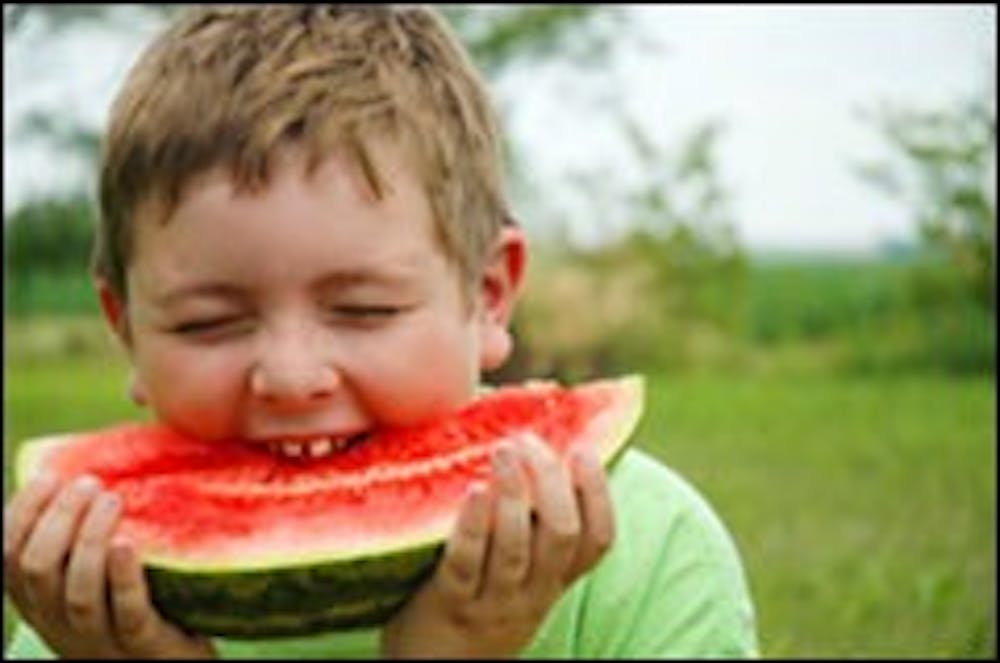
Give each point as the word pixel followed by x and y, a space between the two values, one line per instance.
pixel 865 509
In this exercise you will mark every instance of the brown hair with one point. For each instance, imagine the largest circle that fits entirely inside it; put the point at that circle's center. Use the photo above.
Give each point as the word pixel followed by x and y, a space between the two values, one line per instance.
pixel 231 86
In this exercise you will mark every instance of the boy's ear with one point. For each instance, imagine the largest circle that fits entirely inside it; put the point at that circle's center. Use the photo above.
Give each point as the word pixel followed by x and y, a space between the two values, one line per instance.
pixel 113 308
pixel 499 288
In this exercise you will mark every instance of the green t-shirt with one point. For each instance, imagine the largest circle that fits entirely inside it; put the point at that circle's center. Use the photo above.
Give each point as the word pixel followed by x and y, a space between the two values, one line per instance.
pixel 672 586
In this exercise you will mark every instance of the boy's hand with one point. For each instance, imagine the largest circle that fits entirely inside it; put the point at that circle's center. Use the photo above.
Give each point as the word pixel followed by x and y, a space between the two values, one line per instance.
pixel 502 568
pixel 84 594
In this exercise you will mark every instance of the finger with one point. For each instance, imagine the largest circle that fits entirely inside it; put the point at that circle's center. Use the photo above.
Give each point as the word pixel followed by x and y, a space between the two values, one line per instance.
pixel 460 571
pixel 139 630
pixel 44 555
pixel 20 516
pixel 86 576
pixel 557 532
pixel 508 557
pixel 596 510
pixel 132 615
pixel 24 509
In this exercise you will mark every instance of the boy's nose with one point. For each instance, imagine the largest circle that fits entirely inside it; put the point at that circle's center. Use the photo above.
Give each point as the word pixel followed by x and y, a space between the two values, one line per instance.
pixel 292 379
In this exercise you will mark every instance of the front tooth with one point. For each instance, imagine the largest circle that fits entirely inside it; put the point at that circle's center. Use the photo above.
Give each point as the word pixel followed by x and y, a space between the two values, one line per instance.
pixel 320 447
pixel 293 449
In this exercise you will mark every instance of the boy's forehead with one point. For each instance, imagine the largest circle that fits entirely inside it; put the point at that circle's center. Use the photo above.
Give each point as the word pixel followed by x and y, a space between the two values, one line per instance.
pixel 334 188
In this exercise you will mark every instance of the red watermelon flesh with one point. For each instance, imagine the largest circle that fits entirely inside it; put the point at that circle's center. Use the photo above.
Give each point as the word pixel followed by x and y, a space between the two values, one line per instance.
pixel 204 505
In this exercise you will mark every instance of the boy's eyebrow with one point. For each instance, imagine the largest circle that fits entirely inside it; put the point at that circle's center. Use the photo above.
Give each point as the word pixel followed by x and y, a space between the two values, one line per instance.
pixel 361 276
pixel 339 278
pixel 219 290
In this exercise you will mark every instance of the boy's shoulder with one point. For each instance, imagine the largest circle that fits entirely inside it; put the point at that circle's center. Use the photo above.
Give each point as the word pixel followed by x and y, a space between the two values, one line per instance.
pixel 664 520
pixel 672 585
pixel 643 484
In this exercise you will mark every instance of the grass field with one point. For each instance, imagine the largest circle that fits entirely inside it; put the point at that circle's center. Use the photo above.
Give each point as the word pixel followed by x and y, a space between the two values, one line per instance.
pixel 865 508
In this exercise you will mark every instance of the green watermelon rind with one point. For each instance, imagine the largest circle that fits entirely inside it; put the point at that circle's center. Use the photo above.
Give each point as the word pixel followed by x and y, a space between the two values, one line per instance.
pixel 292 601
pixel 320 592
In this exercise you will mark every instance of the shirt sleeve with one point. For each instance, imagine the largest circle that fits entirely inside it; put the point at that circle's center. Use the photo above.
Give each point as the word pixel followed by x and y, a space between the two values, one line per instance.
pixel 673 585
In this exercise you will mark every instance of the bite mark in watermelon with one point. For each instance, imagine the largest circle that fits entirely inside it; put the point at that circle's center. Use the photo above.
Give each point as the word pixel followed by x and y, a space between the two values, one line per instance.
pixel 240 542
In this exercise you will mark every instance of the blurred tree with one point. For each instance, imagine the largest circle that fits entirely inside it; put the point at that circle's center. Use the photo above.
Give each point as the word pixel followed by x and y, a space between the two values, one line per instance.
pixel 943 168
pixel 668 291
pixel 496 35
pixel 60 16
pixel 49 236
pixel 46 254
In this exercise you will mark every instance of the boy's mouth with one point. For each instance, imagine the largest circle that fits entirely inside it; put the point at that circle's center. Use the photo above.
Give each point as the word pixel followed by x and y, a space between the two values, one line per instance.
pixel 319 446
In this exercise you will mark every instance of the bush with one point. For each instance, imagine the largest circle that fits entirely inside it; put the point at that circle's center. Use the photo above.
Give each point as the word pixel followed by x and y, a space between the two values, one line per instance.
pixel 52 235
pixel 644 303
pixel 46 253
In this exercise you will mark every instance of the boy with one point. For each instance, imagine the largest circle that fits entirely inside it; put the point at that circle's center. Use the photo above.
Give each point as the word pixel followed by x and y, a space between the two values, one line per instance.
pixel 303 237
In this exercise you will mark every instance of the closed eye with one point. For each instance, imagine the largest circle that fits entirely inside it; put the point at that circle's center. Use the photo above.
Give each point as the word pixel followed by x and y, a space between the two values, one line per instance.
pixel 208 325
pixel 368 311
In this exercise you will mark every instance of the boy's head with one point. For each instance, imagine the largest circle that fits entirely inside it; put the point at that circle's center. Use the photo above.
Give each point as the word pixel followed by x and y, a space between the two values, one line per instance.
pixel 303 223
pixel 234 86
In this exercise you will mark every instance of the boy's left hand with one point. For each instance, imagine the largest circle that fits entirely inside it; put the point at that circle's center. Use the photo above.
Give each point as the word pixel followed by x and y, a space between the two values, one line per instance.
pixel 503 566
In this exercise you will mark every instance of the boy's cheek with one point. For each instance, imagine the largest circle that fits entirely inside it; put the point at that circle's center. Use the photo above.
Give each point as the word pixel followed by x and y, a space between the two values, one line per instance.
pixel 420 399
pixel 197 397
pixel 420 373
pixel 204 418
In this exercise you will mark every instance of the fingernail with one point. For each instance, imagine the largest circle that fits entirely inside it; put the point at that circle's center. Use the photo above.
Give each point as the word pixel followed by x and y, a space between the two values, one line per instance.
pixel 120 550
pixel 45 479
pixel 527 441
pixel 110 501
pixel 584 456
pixel 503 458
pixel 476 490
pixel 530 437
pixel 86 484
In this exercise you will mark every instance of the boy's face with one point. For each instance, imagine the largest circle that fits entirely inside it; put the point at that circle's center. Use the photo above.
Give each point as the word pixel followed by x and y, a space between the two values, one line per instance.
pixel 308 310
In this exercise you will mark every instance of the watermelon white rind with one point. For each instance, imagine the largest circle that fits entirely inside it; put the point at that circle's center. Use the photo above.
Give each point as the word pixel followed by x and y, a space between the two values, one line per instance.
pixel 612 432
pixel 301 590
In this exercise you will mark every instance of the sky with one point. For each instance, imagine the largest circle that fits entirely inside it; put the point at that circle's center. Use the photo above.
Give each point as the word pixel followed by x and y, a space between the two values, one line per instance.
pixel 787 82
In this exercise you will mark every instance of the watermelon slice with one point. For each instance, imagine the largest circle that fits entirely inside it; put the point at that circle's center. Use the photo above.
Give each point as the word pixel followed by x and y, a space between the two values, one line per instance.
pixel 242 542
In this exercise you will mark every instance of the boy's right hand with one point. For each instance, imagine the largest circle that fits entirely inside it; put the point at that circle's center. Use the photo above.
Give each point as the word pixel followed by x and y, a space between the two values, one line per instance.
pixel 83 593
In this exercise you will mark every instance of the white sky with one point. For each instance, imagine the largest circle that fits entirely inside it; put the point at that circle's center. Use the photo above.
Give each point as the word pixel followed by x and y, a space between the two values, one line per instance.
pixel 787 81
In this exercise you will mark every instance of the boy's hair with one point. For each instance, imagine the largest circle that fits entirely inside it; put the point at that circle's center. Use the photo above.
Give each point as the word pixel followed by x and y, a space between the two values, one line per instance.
pixel 231 86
